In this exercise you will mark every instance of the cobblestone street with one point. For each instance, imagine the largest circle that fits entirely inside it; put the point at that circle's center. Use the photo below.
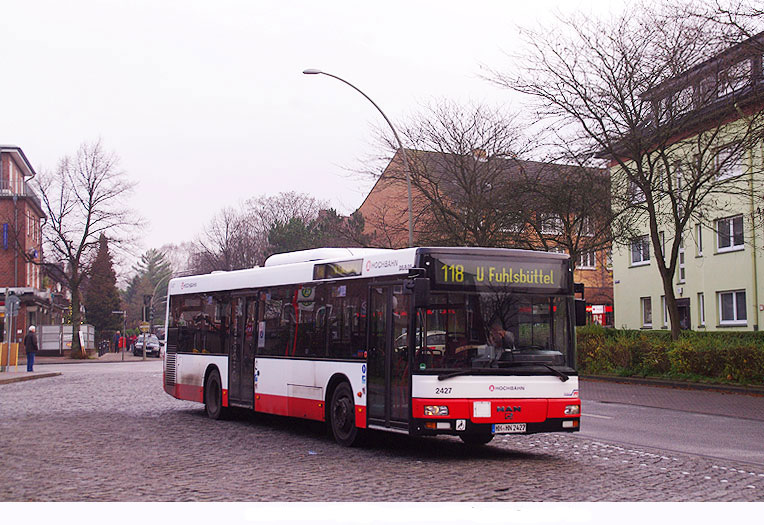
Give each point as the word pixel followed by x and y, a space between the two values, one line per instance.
pixel 108 432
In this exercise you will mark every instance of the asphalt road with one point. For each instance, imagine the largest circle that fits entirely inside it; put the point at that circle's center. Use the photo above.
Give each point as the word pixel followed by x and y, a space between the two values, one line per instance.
pixel 107 432
pixel 712 424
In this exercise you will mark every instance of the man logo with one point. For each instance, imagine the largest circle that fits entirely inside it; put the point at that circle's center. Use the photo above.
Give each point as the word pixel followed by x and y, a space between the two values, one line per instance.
pixel 491 388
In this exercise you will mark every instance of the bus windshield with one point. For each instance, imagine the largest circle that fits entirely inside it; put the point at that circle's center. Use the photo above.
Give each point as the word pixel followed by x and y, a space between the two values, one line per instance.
pixel 462 331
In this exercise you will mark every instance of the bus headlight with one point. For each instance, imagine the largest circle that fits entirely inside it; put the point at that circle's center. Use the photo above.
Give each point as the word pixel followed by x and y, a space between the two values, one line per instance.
pixel 435 410
pixel 572 410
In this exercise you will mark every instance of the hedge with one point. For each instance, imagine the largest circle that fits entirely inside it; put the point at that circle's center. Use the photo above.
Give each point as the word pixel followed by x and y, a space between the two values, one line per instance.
pixel 699 356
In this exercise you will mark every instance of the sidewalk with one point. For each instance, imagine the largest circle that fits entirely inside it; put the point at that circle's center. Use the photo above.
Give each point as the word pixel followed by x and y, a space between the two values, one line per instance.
pixel 16 374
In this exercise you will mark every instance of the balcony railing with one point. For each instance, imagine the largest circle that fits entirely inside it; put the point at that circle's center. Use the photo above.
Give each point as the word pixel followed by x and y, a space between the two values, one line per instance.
pixel 7 190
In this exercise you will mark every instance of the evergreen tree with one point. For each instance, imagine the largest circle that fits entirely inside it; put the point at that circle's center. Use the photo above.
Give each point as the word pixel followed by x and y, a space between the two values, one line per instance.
pixel 152 274
pixel 101 295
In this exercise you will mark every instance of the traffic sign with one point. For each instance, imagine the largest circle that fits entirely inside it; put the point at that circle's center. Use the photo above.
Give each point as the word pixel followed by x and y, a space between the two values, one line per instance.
pixel 145 327
pixel 12 303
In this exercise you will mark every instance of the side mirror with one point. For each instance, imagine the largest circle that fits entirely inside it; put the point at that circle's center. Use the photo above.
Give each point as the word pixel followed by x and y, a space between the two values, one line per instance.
pixel 580 312
pixel 419 287
pixel 161 343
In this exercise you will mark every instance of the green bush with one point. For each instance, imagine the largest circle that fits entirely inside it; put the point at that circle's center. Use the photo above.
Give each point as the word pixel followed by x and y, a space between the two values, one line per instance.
pixel 708 356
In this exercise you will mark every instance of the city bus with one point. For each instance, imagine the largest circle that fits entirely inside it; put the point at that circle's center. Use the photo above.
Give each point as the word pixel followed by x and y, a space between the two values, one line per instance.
pixel 471 342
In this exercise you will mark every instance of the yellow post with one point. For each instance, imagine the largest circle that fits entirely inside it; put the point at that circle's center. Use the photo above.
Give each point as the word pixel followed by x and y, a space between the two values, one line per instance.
pixel 15 355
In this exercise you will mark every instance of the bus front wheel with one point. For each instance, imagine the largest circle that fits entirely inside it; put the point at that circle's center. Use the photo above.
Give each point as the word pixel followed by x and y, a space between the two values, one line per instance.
pixel 213 396
pixel 342 416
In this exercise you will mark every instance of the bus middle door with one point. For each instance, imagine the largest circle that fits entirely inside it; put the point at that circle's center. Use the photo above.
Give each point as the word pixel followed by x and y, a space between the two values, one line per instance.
pixel 241 360
pixel 388 383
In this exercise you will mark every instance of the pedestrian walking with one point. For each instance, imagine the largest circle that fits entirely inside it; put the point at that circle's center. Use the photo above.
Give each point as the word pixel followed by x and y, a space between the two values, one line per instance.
pixel 30 347
pixel 116 341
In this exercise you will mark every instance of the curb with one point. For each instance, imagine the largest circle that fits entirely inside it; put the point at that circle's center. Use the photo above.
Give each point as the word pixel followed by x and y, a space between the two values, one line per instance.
pixel 5 381
pixel 667 383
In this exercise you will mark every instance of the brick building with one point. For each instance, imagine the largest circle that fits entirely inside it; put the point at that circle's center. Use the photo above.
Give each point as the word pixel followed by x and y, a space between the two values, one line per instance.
pixel 21 219
pixel 385 214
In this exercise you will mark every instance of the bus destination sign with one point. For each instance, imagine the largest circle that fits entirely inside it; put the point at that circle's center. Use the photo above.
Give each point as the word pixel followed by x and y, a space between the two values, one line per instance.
pixel 498 273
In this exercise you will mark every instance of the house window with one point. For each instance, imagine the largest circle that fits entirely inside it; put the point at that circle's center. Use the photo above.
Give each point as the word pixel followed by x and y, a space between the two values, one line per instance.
pixel 640 251
pixel 609 259
pixel 647 312
pixel 664 309
pixel 732 308
pixel 586 261
pixel 706 91
pixel 734 77
pixel 636 194
pixel 701 310
pixel 728 162
pixel 586 227
pixel 699 240
pixel 681 268
pixel 551 224
pixel 729 233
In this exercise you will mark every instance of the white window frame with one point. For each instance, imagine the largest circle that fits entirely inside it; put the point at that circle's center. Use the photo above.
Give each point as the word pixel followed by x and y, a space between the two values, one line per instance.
pixel 636 194
pixel 645 312
pixel 732 247
pixel 586 227
pixel 587 261
pixel 664 309
pixel 736 320
pixel 644 241
pixel 699 240
pixel 551 224
pixel 681 266
pixel 733 167
pixel 701 309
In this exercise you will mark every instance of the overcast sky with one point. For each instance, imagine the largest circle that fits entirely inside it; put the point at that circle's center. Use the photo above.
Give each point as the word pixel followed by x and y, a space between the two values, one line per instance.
pixel 206 105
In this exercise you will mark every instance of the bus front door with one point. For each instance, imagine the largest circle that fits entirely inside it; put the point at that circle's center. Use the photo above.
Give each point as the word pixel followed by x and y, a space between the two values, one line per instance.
pixel 388 358
pixel 241 357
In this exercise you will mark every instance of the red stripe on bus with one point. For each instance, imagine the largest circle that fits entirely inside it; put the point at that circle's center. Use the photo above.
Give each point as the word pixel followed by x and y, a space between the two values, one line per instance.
pixel 501 410
pixel 190 393
pixel 290 406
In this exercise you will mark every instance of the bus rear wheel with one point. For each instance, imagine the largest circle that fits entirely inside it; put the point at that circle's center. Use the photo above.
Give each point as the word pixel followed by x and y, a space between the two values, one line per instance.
pixel 213 396
pixel 476 439
pixel 342 416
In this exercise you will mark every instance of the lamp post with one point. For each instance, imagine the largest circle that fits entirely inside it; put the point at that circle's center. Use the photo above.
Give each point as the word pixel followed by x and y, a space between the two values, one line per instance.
pixel 406 168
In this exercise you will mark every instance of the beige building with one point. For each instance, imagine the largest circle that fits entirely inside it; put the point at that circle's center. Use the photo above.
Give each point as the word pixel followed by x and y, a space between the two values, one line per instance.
pixel 719 282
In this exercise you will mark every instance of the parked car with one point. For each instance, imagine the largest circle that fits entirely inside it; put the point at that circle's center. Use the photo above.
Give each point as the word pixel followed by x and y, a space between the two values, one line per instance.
pixel 152 345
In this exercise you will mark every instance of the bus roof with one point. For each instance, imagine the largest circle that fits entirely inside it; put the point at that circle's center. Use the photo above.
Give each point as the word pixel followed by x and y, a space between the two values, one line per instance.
pixel 298 267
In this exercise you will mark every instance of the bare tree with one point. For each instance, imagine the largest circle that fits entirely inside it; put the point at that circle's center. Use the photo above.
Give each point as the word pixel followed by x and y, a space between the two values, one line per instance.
pixel 459 158
pixel 226 244
pixel 735 20
pixel 644 92
pixel 237 238
pixel 568 208
pixel 83 199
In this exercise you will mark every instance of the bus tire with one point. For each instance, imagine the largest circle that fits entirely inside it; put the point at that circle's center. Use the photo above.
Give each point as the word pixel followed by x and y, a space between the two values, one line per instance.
pixel 342 416
pixel 476 439
pixel 213 396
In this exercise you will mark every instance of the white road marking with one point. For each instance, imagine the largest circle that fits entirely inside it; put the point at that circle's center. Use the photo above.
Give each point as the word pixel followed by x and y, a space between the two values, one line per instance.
pixel 598 417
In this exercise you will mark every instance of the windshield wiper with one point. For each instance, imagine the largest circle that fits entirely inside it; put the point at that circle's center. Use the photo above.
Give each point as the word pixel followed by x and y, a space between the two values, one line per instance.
pixel 563 377
pixel 449 375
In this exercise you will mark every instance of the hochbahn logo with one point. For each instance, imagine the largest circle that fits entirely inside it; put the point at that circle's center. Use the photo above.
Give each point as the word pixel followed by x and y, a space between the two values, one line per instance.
pixel 504 388
pixel 378 265
pixel 184 285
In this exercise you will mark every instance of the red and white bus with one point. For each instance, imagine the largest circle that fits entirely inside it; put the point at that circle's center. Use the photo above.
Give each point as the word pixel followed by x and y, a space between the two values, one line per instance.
pixel 471 342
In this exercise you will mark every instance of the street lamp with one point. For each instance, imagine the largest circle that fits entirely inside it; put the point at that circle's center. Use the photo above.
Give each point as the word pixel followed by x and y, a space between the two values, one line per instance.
pixel 407 168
